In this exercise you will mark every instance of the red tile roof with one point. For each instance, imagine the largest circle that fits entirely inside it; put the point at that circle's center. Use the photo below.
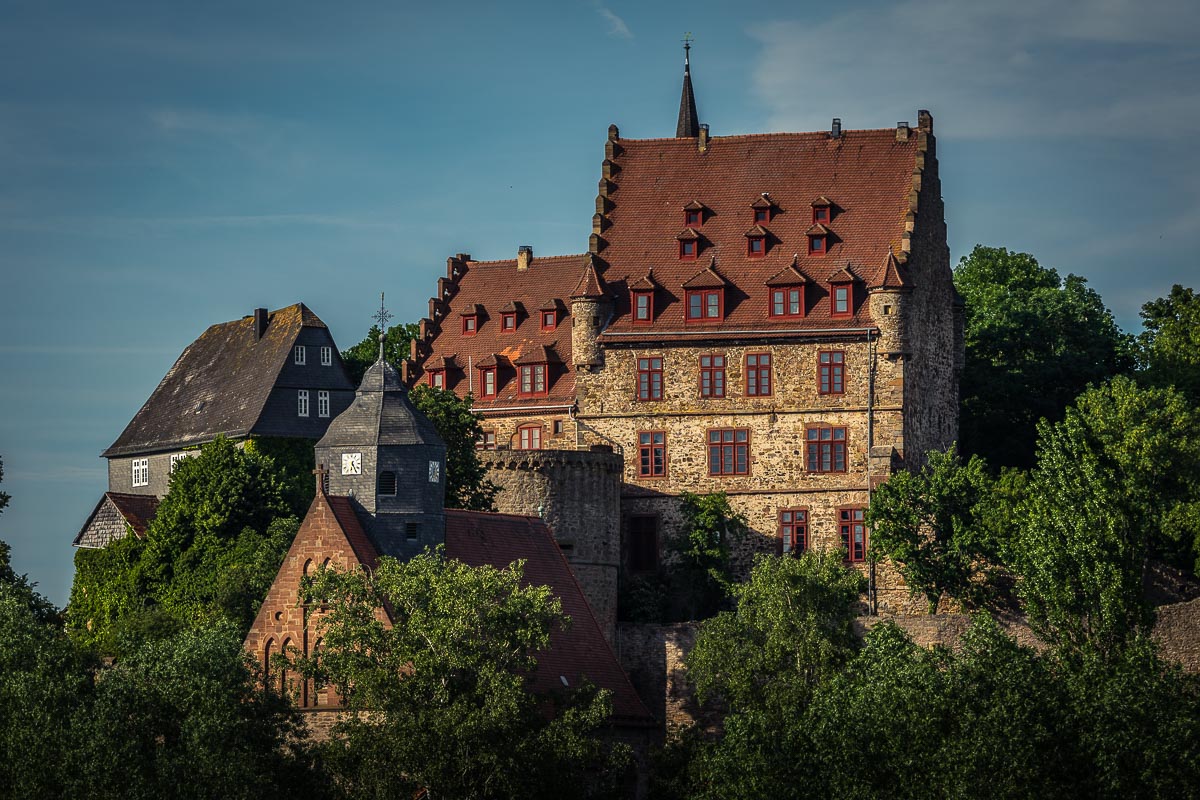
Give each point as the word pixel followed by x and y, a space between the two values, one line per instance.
pixel 137 509
pixel 347 519
pixel 491 286
pixel 578 653
pixel 866 176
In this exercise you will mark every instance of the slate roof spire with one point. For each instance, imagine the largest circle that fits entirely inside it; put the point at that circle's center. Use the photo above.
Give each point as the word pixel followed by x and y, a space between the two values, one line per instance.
pixel 689 120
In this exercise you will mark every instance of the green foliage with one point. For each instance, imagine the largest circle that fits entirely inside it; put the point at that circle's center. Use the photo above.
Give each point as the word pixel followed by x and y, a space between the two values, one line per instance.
pixel 700 571
pixel 933 525
pixel 211 552
pixel 294 462
pixel 1169 345
pixel 445 692
pixel 467 485
pixel 1117 480
pixel 395 349
pixel 1034 341
pixel 4 496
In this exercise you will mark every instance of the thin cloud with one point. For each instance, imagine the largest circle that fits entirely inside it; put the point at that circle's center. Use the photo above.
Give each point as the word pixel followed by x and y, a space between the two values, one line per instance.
pixel 616 25
pixel 1100 68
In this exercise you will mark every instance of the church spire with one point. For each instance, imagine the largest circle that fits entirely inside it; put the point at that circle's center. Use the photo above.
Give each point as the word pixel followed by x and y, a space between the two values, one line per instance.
pixel 689 121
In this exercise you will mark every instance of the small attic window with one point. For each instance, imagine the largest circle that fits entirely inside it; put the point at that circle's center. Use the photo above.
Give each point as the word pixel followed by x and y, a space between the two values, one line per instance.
pixel 762 215
pixel 549 320
pixel 687 249
pixel 816 244
pixel 841 302
pixel 643 307
pixel 508 321
pixel 762 208
pixel 437 378
pixel 756 246
pixel 487 382
pixel 692 217
pixel 387 483
pixel 470 324
pixel 820 214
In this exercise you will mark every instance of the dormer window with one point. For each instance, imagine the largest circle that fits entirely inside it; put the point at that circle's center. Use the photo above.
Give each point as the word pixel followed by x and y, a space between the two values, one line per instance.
pixel 821 210
pixel 787 301
pixel 762 215
pixel 470 324
pixel 762 208
pixel 487 382
pixel 643 308
pixel 818 240
pixel 508 321
pixel 756 242
pixel 705 305
pixel 693 215
pixel 437 378
pixel 841 293
pixel 549 320
pixel 533 380
pixel 689 244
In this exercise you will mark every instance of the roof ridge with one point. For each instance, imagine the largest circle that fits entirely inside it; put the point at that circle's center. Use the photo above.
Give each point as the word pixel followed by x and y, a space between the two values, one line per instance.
pixel 825 134
pixel 473 263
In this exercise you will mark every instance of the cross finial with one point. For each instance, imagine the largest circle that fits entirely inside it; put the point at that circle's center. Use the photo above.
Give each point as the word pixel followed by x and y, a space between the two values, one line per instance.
pixel 382 317
pixel 687 46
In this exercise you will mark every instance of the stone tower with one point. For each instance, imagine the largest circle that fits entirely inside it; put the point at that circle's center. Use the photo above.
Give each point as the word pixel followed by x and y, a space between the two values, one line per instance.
pixel 389 458
pixel 590 309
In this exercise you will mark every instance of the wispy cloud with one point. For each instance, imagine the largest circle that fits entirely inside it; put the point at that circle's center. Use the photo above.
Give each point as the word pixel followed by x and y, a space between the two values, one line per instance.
pixel 1101 68
pixel 616 25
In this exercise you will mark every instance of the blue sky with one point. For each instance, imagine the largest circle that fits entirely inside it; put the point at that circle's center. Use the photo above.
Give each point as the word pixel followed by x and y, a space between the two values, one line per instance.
pixel 165 166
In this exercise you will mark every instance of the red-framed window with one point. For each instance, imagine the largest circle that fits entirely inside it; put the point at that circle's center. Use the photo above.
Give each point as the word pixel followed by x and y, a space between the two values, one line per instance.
pixel 816 245
pixel 820 215
pixel 529 437
pixel 488 386
pixel 826 448
pixel 693 218
pixel 437 378
pixel 642 544
pixel 652 454
pixel 756 246
pixel 758 374
pixel 643 308
pixel 841 302
pixel 729 451
pixel 793 531
pixel 787 301
pixel 533 380
pixel 688 249
pixel 831 372
pixel 853 527
pixel 705 305
pixel 508 321
pixel 712 375
pixel 487 442
pixel 762 216
pixel 549 320
pixel 470 325
pixel 650 378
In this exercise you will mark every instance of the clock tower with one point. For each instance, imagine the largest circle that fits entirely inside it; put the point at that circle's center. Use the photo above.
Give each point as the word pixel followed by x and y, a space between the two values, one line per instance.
pixel 387 456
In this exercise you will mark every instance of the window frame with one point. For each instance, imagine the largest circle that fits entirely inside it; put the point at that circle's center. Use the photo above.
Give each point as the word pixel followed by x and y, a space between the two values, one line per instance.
pixel 649 387
pixel 761 241
pixel 528 434
pixel 787 521
pixel 552 316
pixel 139 473
pixel 683 246
pixel 507 317
pixel 326 355
pixel 754 388
pixel 705 304
pixel 848 290
pixel 711 372
pixel 826 449
pixel 436 378
pixel 636 296
pixel 761 216
pixel 488 442
pixel 300 355
pixel 785 298
pixel 529 374
pixel 733 443
pixel 850 517
pixel 470 324
pixel 693 217
pixel 323 403
pixel 652 455
pixel 818 244
pixel 831 373
pixel 820 215
pixel 302 403
pixel 484 374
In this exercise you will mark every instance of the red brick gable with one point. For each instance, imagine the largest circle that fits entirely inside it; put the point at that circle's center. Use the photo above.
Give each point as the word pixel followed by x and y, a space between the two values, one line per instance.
pixel 485 288
pixel 867 176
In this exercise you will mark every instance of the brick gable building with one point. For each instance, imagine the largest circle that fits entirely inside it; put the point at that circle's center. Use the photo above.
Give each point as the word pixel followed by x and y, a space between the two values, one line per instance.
pixel 771 316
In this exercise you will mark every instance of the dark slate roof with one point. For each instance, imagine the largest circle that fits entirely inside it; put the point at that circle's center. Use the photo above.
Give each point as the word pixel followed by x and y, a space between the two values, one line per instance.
pixel 137 509
pixel 218 386
pixel 578 653
pixel 689 121
pixel 380 414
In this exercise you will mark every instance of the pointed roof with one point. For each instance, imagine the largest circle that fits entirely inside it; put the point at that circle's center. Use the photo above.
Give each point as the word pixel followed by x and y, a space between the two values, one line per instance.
pixel 646 283
pixel 821 202
pixel 695 205
pixel 762 201
pixel 707 278
pixel 889 275
pixel 541 354
pixel 471 310
pixel 688 235
pixel 844 275
pixel 381 414
pixel 689 120
pixel 221 383
pixel 590 286
pixel 757 230
pixel 817 230
pixel 791 275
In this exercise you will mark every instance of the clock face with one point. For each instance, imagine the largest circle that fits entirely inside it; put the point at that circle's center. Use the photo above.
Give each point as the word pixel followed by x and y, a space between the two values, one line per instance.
pixel 352 463
pixel 435 471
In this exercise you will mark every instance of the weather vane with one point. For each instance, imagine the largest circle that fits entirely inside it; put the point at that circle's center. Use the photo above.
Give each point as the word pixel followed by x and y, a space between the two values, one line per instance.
pixel 382 317
pixel 687 43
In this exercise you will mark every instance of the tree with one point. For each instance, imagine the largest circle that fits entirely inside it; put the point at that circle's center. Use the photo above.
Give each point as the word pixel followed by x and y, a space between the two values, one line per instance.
pixel 4 496
pixel 467 485
pixel 701 577
pixel 211 551
pixel 395 349
pixel 1169 345
pixel 932 524
pixel 1118 479
pixel 443 695
pixel 1034 341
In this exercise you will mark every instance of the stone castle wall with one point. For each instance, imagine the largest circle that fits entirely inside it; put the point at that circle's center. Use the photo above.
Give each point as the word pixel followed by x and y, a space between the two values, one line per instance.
pixel 578 494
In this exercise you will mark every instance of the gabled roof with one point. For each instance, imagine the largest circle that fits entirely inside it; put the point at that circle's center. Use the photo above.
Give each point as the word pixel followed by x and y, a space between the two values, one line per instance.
pixel 757 230
pixel 646 283
pixel 445 362
pixel 688 235
pixel 821 202
pixel 539 354
pixel 220 384
pixel 707 278
pixel 590 285
pixel 577 654
pixel 695 205
pixel 788 276
pixel 489 360
pixel 135 510
pixel 817 230
pixel 762 201
pixel 469 310
pixel 890 275
pixel 844 275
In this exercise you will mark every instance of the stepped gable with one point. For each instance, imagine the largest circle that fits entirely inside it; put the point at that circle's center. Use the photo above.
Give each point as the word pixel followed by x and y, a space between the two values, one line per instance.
pixel 219 385
pixel 866 176
pixel 487 289
pixel 108 519
pixel 578 653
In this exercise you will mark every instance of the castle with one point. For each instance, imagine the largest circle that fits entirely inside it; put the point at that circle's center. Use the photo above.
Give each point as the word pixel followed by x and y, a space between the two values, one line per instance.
pixel 771 316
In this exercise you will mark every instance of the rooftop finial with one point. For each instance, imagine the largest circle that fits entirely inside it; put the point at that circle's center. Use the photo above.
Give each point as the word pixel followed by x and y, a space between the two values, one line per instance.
pixel 383 317
pixel 689 120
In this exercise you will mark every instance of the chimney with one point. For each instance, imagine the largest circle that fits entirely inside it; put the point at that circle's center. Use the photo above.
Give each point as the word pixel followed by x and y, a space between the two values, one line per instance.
pixel 835 131
pixel 901 131
pixel 702 142
pixel 260 322
pixel 524 256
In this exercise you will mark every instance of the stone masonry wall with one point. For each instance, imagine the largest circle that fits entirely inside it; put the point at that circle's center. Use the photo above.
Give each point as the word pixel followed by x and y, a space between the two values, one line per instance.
pixel 578 494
